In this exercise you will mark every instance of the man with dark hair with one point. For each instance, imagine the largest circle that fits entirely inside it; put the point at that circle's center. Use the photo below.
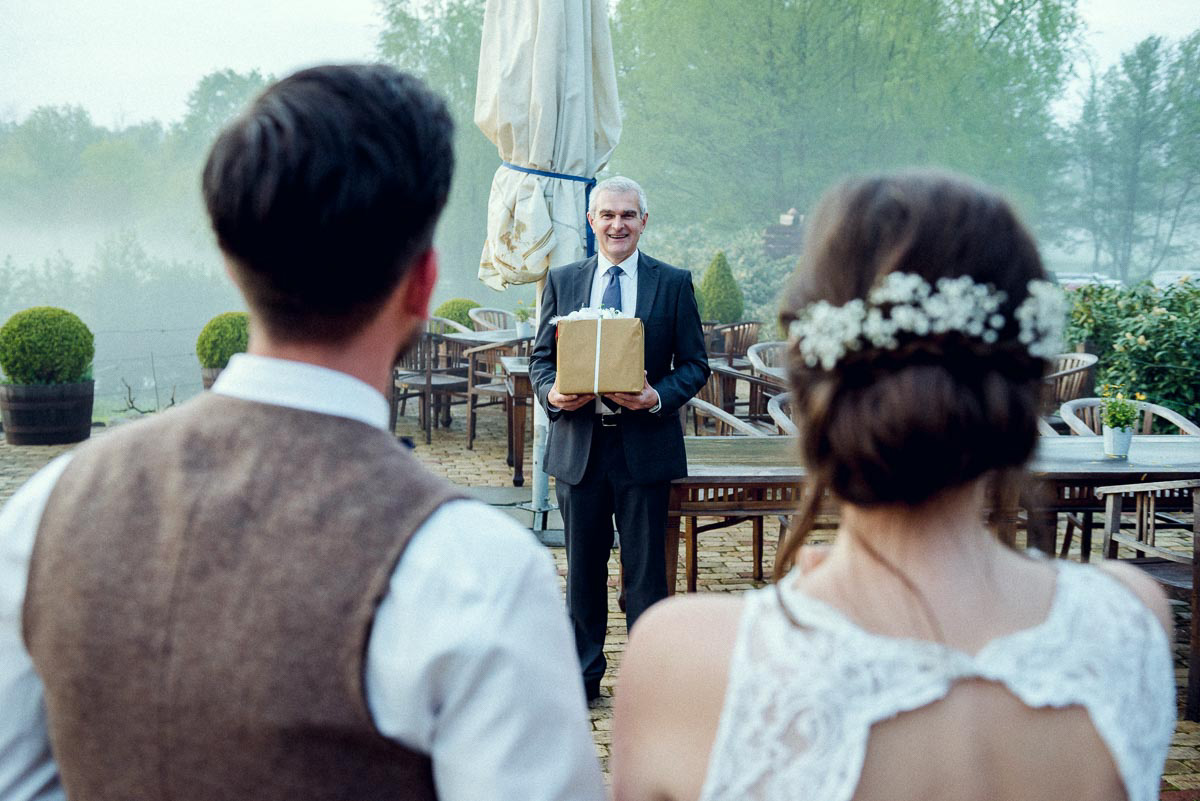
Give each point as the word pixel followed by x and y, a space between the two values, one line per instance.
pixel 614 457
pixel 262 594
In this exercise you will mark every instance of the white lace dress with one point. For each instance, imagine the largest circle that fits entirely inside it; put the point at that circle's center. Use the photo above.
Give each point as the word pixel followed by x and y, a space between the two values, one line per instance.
pixel 785 738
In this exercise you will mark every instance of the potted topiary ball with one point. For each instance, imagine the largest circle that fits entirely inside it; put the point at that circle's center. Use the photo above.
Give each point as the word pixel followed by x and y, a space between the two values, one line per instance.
pixel 223 336
pixel 46 355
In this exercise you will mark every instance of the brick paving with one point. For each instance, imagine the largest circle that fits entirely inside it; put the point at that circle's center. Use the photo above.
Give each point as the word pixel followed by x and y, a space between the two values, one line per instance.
pixel 724 558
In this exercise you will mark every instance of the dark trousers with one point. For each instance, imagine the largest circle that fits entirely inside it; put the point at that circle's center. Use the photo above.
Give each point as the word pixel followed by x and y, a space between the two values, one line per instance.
pixel 588 508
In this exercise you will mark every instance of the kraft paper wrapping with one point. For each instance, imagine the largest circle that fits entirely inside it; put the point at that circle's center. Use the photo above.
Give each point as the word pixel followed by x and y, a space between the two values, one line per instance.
pixel 597 356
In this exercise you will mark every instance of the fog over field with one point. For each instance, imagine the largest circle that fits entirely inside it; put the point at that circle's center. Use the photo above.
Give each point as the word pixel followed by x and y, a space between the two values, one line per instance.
pixel 1084 113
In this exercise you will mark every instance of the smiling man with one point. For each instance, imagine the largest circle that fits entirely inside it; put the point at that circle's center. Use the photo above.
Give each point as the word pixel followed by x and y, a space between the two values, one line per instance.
pixel 616 455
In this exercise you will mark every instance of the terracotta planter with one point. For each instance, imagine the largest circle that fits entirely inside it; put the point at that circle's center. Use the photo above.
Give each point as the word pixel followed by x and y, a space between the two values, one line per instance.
pixel 208 375
pixel 56 414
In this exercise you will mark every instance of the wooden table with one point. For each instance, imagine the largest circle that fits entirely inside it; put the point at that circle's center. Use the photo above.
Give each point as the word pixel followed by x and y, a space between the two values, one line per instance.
pixel 1076 461
pixel 520 389
pixel 757 477
pixel 502 336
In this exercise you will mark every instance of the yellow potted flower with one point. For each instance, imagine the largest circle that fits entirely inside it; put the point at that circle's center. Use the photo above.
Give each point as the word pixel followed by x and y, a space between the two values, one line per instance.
pixel 1118 415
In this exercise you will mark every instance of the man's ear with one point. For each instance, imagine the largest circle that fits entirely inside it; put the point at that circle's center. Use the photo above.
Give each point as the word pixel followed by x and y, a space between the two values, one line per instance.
pixel 419 284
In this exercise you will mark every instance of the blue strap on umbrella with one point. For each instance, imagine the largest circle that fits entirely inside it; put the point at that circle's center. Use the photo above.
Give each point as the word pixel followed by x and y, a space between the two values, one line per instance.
pixel 587 194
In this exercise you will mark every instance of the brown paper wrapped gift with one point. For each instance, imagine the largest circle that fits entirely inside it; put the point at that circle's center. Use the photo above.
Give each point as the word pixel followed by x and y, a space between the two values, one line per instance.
pixel 597 356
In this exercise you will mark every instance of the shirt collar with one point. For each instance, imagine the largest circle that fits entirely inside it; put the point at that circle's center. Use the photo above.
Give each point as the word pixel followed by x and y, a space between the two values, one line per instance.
pixel 299 385
pixel 628 267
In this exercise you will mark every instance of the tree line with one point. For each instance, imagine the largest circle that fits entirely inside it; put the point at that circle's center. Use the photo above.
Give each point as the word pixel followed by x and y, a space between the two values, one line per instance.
pixel 735 111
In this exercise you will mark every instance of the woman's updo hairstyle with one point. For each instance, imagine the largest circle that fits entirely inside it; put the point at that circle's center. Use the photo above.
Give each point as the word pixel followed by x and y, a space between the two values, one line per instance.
pixel 900 425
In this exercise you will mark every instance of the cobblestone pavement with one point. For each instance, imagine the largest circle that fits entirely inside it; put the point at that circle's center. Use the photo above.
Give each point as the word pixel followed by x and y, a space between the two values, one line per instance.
pixel 724 558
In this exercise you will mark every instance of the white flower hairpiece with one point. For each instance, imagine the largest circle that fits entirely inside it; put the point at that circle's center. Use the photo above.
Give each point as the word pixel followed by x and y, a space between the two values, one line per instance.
pixel 905 303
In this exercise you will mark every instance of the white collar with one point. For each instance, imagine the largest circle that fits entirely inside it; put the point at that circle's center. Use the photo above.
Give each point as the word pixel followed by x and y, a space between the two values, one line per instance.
pixel 299 385
pixel 629 266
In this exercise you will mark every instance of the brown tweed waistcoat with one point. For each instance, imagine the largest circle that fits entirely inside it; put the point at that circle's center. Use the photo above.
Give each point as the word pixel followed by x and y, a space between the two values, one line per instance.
pixel 200 598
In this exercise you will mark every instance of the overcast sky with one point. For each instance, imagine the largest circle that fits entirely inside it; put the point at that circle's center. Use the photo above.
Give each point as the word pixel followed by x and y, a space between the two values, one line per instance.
pixel 131 60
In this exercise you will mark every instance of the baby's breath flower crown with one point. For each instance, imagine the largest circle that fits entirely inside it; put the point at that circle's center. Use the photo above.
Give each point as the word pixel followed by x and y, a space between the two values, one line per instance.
pixel 905 305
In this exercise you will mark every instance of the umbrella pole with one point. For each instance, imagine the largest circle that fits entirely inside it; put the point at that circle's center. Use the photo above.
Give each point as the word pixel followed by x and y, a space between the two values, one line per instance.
pixel 540 502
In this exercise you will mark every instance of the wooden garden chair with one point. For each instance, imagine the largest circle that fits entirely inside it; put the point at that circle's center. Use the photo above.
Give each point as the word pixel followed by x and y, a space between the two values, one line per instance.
pixel 1083 417
pixel 1145 547
pixel 488 319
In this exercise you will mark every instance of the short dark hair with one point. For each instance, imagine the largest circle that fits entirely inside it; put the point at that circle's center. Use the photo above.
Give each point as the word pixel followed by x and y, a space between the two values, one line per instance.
pixel 324 191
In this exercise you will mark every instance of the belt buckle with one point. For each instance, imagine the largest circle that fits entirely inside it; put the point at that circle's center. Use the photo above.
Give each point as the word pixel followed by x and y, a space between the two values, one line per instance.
pixel 608 420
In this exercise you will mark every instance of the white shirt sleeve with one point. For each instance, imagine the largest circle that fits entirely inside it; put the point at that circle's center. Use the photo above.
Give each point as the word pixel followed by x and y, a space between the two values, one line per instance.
pixel 471 659
pixel 27 769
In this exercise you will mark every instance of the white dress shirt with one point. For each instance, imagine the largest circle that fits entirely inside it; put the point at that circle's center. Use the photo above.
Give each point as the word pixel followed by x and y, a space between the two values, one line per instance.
pixel 600 280
pixel 470 660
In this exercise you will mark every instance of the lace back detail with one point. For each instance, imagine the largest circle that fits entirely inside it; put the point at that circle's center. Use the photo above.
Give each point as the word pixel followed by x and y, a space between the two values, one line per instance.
pixel 1099 647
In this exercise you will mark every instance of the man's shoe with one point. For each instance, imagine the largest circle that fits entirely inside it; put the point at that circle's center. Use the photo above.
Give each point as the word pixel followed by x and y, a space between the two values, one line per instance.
pixel 591 688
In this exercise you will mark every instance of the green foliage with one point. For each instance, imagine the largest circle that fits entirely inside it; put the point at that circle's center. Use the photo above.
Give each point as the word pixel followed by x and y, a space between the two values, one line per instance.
pixel 439 41
pixel 1148 340
pixel 1136 157
pixel 1116 410
pixel 223 336
pixel 760 277
pixel 456 309
pixel 522 312
pixel 719 295
pixel 753 106
pixel 45 345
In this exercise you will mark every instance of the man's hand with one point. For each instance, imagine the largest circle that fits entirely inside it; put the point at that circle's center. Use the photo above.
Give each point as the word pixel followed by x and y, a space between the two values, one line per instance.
pixel 646 399
pixel 568 403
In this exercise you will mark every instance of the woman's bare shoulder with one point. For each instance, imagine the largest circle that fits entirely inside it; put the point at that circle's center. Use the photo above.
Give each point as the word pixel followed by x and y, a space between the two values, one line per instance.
pixel 1145 588
pixel 680 647
pixel 669 695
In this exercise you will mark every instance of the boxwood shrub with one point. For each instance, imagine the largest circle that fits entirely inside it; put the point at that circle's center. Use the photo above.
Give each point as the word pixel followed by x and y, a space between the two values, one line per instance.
pixel 456 309
pixel 46 345
pixel 719 295
pixel 223 336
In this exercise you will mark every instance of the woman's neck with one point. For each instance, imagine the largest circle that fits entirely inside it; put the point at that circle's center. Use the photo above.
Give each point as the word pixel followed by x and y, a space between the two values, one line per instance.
pixel 918 559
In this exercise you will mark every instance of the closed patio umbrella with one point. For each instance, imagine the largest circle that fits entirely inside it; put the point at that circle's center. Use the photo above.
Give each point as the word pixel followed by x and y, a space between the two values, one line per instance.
pixel 547 97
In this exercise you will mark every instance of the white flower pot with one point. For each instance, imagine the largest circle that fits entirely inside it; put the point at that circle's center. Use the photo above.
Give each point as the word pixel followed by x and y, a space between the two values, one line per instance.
pixel 1116 442
pixel 524 329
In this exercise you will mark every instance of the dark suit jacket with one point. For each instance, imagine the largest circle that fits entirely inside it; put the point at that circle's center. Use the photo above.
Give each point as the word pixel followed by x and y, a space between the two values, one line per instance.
pixel 676 366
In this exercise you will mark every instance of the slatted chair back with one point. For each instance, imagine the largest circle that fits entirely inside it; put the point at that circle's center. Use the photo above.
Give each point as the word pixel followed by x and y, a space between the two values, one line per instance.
pixel 449 352
pixel 1084 417
pixel 768 358
pixel 780 409
pixel 736 340
pixel 1164 558
pixel 422 372
pixel 444 325
pixel 1069 378
pixel 712 395
pixel 488 319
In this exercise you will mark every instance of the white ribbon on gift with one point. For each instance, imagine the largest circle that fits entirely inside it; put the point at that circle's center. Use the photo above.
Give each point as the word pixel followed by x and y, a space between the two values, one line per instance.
pixel 596 374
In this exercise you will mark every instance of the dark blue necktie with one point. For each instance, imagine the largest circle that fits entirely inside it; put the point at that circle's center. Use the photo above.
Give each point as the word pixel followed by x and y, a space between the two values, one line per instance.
pixel 612 292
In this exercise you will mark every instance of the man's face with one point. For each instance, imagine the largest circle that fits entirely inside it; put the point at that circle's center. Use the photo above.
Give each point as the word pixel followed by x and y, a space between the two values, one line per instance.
pixel 617 224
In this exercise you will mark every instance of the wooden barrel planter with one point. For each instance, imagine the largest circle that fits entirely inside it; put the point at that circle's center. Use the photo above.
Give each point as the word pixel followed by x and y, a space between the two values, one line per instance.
pixel 54 414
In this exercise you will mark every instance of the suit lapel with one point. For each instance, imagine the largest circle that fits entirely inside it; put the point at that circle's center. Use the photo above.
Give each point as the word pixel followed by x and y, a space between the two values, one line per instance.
pixel 647 285
pixel 582 292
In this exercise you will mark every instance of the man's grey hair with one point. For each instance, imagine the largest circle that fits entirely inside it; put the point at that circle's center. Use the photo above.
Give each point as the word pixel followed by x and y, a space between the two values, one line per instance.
pixel 619 183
